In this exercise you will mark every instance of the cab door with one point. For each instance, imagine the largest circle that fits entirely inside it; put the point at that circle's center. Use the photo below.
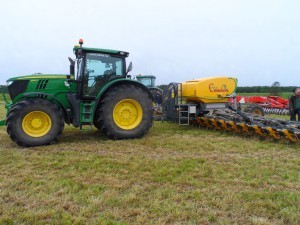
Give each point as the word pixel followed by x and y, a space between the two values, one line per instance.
pixel 99 70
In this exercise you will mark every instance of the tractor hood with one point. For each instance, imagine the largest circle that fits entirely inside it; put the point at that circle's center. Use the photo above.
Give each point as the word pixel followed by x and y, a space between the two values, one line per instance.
pixel 39 76
pixel 49 84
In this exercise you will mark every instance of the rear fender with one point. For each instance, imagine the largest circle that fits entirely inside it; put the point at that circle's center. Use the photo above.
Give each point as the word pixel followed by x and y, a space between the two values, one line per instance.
pixel 118 82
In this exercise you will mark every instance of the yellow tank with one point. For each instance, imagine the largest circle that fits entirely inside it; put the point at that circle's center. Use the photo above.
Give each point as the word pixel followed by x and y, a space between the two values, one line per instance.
pixel 209 90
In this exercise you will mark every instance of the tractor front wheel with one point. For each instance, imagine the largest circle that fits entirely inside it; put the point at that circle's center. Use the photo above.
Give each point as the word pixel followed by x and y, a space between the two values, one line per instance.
pixel 125 112
pixel 34 122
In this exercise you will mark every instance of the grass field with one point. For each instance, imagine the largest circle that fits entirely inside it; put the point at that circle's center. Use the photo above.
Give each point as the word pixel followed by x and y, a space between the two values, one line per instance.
pixel 2 98
pixel 174 175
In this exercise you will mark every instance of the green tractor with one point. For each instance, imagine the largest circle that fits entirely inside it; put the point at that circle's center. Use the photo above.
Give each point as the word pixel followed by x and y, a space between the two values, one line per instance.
pixel 157 93
pixel 149 82
pixel 101 94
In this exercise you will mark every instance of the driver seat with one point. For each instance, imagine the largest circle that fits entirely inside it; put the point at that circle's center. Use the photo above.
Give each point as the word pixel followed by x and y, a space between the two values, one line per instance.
pixel 108 72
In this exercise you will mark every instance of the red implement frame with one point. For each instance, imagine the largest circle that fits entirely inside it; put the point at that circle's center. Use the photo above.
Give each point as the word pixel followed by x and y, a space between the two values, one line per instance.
pixel 265 101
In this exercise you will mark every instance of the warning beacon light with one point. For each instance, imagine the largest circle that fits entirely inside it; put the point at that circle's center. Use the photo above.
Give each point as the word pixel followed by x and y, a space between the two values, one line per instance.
pixel 81 42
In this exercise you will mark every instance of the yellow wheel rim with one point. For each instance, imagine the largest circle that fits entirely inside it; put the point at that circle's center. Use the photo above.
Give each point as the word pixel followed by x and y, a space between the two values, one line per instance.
pixel 36 124
pixel 127 114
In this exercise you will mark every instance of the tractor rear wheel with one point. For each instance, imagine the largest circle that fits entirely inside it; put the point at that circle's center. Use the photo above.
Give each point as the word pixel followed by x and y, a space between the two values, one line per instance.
pixel 34 122
pixel 255 109
pixel 125 112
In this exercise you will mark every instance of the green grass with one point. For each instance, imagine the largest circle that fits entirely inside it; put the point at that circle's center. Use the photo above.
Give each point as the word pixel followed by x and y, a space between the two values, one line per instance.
pixel 2 98
pixel 174 175
pixel 2 110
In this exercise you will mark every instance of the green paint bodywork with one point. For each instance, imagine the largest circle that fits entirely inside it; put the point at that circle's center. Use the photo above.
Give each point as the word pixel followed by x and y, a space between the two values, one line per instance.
pixel 55 87
pixel 39 77
pixel 100 50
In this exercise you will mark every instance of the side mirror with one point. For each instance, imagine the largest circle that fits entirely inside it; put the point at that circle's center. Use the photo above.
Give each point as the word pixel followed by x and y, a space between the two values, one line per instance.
pixel 72 66
pixel 129 68
pixel 72 69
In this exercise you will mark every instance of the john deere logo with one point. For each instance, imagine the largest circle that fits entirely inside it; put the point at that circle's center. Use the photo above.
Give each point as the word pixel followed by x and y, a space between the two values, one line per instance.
pixel 215 88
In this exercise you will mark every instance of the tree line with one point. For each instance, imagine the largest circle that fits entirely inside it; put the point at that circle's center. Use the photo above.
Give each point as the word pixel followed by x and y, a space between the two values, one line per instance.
pixel 265 89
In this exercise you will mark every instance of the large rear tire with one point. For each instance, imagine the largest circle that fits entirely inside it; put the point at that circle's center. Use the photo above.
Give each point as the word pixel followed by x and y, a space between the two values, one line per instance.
pixel 34 122
pixel 125 112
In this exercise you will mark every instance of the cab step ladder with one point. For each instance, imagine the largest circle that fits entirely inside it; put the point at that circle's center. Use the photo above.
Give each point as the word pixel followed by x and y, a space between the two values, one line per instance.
pixel 86 115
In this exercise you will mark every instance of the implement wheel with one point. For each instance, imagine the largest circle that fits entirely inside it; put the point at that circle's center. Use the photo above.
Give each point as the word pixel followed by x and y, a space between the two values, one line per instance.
pixel 125 112
pixel 255 109
pixel 34 122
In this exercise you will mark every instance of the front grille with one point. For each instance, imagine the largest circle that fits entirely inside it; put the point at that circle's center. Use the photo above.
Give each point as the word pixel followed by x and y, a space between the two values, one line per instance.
pixel 17 87
pixel 42 84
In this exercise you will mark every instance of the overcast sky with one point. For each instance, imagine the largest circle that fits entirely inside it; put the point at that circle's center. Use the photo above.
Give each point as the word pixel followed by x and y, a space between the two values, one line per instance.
pixel 257 41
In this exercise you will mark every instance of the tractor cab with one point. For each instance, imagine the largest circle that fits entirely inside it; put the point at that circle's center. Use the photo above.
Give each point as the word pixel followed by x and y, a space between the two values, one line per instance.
pixel 147 80
pixel 95 68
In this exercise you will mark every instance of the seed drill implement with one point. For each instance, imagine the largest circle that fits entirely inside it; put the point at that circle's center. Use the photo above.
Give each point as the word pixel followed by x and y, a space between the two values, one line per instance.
pixel 207 103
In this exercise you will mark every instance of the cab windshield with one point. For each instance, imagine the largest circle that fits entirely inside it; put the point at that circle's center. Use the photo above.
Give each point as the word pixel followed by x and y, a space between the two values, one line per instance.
pixel 103 64
pixel 100 69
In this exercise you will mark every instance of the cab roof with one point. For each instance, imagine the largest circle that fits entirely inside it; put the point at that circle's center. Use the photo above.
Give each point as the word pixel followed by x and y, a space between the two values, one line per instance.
pixel 102 50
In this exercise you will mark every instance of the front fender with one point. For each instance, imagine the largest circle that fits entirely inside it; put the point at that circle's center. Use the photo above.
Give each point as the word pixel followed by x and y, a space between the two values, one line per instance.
pixel 48 96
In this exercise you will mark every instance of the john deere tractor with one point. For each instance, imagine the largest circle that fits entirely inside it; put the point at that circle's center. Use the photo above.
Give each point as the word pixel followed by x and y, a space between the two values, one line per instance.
pixel 149 82
pixel 101 94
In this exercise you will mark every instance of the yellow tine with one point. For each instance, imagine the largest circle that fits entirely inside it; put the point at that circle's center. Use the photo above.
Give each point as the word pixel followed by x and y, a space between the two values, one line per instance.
pixel 290 136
